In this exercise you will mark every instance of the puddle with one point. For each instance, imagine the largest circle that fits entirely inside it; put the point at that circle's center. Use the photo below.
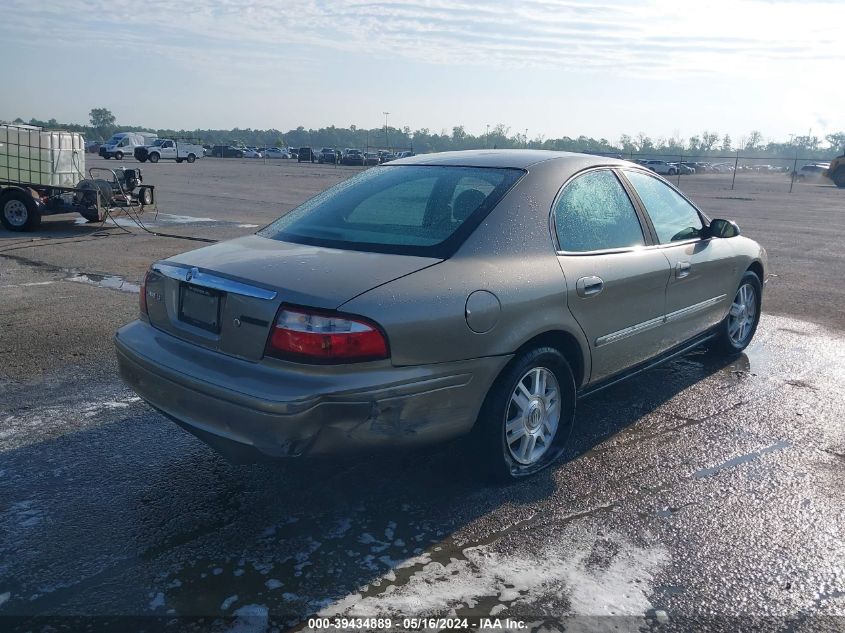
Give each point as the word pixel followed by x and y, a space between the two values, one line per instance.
pixel 112 282
pixel 741 459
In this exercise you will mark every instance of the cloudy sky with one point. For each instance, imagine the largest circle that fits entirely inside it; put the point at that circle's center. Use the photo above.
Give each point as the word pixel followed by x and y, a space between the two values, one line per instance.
pixel 555 67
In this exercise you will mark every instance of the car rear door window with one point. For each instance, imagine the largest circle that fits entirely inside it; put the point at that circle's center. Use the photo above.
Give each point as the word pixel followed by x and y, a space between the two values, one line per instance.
pixel 674 218
pixel 594 213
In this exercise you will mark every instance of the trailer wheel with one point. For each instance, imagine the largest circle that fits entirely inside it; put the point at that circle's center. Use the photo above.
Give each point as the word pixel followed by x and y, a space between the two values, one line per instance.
pixel 153 157
pixel 19 211
pixel 118 155
pixel 145 196
pixel 191 158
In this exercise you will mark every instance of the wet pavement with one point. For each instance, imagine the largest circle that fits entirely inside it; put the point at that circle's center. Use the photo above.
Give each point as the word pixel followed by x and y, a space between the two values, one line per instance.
pixel 706 490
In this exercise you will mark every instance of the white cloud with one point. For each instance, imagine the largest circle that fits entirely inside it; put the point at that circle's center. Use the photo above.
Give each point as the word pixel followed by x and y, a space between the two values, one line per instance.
pixel 646 38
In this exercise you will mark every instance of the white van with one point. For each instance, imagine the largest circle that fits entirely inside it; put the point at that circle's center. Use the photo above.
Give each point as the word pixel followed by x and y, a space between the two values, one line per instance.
pixel 124 144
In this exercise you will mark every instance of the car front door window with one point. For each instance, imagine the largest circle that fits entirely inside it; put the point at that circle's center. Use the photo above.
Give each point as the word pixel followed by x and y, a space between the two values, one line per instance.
pixel 674 218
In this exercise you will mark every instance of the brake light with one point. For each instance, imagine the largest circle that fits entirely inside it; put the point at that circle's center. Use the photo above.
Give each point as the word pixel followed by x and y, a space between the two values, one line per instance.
pixel 142 298
pixel 324 337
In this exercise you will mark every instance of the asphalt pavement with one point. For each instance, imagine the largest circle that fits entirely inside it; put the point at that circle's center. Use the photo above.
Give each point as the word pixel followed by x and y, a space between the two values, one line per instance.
pixel 704 492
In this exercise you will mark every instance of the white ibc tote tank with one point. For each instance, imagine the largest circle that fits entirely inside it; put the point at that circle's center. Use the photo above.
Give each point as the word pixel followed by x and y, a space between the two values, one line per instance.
pixel 30 154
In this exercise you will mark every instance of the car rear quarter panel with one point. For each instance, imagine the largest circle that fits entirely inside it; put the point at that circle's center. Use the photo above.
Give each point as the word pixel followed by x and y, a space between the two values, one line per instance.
pixel 510 255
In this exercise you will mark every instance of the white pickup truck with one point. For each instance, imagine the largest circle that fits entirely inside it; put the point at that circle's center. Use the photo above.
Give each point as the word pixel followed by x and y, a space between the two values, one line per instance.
pixel 169 149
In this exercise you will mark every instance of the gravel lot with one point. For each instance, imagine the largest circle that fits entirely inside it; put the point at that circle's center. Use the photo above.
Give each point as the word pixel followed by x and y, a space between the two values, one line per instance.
pixel 698 491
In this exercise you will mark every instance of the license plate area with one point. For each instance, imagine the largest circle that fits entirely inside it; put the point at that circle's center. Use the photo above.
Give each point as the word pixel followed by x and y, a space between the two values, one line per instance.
pixel 200 307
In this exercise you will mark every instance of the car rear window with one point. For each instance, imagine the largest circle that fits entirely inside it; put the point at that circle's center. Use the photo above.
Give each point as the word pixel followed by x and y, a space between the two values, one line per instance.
pixel 420 210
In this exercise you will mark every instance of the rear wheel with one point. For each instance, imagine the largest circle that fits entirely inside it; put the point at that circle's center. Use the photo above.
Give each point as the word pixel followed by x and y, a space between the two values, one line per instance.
pixel 527 416
pixel 18 211
pixel 191 158
pixel 740 324
pixel 839 177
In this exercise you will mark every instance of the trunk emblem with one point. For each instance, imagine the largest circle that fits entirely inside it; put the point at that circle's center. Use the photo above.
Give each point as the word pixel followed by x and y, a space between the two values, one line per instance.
pixel 191 273
pixel 236 322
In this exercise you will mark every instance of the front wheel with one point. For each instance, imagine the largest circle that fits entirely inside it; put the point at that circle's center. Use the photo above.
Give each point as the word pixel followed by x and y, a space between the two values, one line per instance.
pixel 119 155
pixel 839 178
pixel 740 324
pixel 153 157
pixel 527 416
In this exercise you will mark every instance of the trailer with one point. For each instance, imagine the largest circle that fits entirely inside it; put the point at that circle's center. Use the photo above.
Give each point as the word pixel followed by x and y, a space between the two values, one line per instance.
pixel 42 172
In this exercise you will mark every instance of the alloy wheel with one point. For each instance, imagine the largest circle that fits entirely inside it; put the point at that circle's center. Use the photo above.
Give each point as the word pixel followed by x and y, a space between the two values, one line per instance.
pixel 532 416
pixel 742 314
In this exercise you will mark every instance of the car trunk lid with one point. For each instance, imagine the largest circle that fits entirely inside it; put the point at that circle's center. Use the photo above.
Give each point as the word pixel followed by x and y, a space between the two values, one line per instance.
pixel 226 296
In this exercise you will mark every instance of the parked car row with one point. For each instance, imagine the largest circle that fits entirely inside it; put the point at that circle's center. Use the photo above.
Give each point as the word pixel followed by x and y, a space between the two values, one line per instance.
pixel 686 168
pixel 347 156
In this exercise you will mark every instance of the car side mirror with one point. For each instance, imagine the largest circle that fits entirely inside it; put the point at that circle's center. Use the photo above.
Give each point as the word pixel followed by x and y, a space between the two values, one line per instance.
pixel 723 228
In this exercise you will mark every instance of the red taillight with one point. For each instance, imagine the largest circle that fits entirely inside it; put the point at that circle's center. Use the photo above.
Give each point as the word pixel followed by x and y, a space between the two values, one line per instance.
pixel 324 337
pixel 142 298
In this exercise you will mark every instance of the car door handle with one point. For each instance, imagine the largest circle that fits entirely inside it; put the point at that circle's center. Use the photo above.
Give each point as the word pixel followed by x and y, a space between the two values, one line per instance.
pixel 682 269
pixel 589 286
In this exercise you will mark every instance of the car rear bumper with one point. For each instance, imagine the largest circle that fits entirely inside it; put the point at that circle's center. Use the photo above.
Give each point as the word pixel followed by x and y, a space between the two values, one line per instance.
pixel 290 410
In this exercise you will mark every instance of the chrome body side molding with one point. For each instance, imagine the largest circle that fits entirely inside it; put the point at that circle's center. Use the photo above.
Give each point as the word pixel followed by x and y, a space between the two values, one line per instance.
pixel 657 322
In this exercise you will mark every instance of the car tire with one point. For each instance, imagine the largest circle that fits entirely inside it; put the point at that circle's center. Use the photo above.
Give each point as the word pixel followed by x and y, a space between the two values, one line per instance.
pixel 513 443
pixel 191 158
pixel 118 155
pixel 672 172
pixel 154 157
pixel 178 160
pixel 839 178
pixel 107 157
pixel 739 325
pixel 19 212
pixel 142 160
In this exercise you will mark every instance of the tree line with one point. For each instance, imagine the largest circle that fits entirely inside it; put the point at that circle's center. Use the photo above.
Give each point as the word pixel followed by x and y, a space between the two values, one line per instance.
pixel 709 143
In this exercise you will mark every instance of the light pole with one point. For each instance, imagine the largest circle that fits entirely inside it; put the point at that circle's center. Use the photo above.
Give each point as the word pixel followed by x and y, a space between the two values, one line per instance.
pixel 526 138
pixel 487 138
pixel 386 140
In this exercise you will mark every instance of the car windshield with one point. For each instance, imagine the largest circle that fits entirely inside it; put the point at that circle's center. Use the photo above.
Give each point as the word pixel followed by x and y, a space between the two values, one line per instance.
pixel 410 210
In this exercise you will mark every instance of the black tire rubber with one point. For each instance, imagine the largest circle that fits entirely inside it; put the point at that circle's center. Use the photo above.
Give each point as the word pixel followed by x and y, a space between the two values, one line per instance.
pixel 118 155
pixel 839 178
pixel 723 344
pixel 145 196
pixel 107 157
pixel 488 437
pixel 191 158
pixel 143 160
pixel 178 160
pixel 33 215
pixel 154 157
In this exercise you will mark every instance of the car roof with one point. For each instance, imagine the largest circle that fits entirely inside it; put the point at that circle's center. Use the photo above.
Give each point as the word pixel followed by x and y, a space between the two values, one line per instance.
pixel 506 158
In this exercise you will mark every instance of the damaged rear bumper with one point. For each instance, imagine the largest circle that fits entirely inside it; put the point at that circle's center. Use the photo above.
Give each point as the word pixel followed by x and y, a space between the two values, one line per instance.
pixel 284 409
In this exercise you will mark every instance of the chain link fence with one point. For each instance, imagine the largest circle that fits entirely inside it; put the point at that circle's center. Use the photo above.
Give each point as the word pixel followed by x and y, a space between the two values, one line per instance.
pixel 736 171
